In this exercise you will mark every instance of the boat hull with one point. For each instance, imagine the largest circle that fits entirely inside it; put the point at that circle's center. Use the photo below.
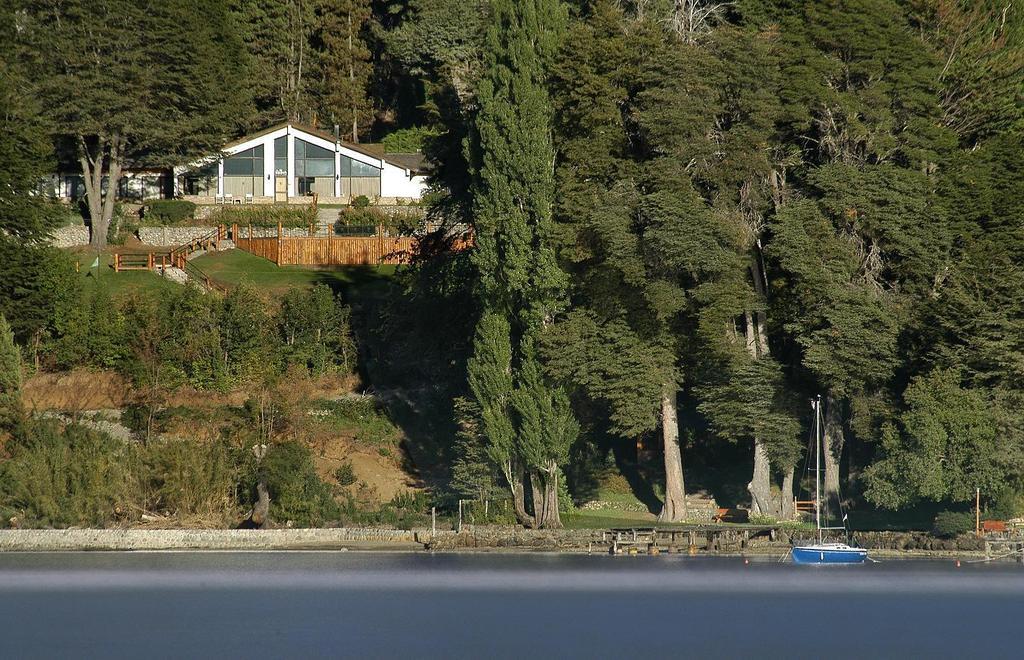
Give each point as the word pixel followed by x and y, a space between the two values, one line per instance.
pixel 813 555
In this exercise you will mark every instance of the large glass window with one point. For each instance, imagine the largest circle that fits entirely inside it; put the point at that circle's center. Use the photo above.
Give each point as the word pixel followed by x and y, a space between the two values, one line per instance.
pixel 314 169
pixel 281 155
pixel 245 163
pixel 313 161
pixel 351 167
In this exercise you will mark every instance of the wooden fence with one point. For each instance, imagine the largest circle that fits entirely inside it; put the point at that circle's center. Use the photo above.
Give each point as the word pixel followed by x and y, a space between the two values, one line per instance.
pixel 261 247
pixel 325 250
pixel 344 250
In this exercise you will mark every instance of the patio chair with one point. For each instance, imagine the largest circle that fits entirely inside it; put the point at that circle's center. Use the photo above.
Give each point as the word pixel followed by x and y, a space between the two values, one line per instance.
pixel 219 199
pixel 248 198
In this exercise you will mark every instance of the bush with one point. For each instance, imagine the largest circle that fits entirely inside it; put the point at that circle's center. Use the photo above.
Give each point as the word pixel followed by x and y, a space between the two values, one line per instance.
pixel 168 211
pixel 1005 504
pixel 263 215
pixel 297 493
pixel 185 478
pixel 949 524
pixel 364 220
pixel 361 202
pixel 64 477
pixel 345 474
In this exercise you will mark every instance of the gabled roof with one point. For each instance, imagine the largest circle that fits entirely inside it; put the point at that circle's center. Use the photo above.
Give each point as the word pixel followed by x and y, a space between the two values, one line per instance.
pixel 371 150
pixel 414 162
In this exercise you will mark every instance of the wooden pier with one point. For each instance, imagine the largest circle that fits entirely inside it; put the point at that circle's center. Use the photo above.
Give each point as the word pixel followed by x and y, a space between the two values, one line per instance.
pixel 686 538
pixel 1005 548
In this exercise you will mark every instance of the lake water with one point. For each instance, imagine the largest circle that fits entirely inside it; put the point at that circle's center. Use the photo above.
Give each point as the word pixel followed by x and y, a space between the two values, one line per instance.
pixel 370 605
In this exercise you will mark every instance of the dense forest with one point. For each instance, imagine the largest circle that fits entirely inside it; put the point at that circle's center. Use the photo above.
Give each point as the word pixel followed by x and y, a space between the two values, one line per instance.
pixel 689 218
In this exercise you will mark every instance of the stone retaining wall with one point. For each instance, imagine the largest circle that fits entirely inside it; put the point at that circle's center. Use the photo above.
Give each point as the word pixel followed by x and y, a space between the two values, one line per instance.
pixel 196 539
pixel 501 536
pixel 70 236
pixel 172 236
pixel 915 541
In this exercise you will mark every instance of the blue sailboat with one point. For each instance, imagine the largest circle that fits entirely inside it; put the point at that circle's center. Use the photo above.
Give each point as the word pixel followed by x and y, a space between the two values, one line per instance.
pixel 824 552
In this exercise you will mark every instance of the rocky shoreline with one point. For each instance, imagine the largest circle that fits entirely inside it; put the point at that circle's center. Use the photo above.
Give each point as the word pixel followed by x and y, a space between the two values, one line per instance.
pixel 471 539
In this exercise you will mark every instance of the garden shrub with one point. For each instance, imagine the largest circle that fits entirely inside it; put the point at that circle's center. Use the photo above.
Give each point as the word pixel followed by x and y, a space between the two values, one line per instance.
pixel 168 211
pixel 949 524
pixel 359 221
pixel 361 202
pixel 263 216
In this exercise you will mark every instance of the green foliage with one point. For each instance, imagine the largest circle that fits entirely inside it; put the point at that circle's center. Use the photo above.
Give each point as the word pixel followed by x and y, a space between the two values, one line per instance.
pixel 362 416
pixel 11 409
pixel 367 219
pixel 408 140
pixel 246 339
pixel 185 479
pixel 263 215
pixel 168 211
pixel 68 477
pixel 1004 505
pixel 315 329
pixel 950 524
pixel 490 381
pixel 344 29
pixel 39 290
pixel 345 475
pixel 297 494
pixel 946 445
pixel 26 155
pixel 473 474
pixel 361 202
pixel 547 426
pixel 121 58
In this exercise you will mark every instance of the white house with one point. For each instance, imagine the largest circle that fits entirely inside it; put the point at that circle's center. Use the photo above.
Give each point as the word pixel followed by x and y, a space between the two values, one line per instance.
pixel 288 163
pixel 285 163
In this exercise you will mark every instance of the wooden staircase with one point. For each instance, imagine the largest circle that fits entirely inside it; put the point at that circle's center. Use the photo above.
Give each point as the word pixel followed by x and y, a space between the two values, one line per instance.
pixel 176 264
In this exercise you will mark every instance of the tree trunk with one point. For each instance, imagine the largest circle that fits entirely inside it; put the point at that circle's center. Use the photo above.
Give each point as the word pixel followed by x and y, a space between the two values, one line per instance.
pixel 760 486
pixel 832 449
pixel 261 511
pixel 108 152
pixel 537 492
pixel 352 84
pixel 515 480
pixel 550 517
pixel 786 504
pixel 674 509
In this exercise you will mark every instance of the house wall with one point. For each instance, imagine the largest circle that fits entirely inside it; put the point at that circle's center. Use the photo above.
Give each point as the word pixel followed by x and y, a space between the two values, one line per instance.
pixel 399 183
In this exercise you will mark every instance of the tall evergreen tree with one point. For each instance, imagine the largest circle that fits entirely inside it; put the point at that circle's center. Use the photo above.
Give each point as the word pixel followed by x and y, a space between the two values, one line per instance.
pixel 37 283
pixel 279 61
pixel 520 286
pixel 346 66
pixel 11 409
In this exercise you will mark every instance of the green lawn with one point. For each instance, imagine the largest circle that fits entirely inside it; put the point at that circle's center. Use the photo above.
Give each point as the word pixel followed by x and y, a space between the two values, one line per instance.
pixel 116 283
pixel 236 266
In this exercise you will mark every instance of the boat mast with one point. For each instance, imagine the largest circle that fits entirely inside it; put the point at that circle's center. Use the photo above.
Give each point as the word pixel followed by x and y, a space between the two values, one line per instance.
pixel 817 465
